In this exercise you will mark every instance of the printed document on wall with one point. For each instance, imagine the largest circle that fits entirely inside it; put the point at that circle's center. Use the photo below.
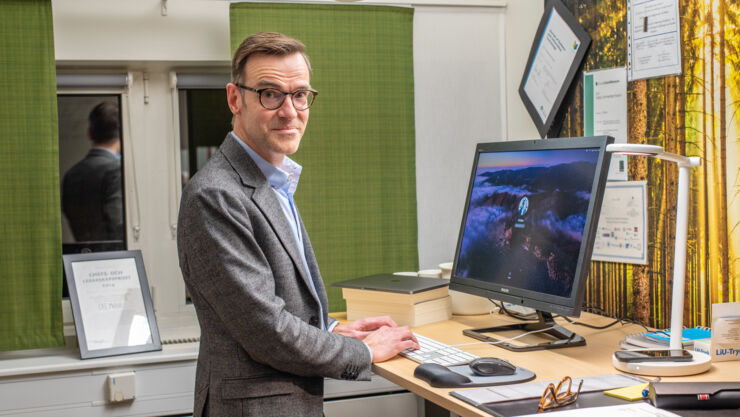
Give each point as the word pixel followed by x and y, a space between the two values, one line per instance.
pixel 653 39
pixel 622 232
pixel 605 112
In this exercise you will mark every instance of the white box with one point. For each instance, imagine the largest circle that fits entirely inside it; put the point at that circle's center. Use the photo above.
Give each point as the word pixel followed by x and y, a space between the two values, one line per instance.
pixel 718 352
pixel 121 387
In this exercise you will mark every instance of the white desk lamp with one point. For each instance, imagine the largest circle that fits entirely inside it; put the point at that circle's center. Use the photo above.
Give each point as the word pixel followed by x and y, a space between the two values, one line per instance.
pixel 701 362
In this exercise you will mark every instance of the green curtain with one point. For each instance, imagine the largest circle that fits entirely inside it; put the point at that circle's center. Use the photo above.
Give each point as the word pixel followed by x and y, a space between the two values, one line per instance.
pixel 30 247
pixel 357 193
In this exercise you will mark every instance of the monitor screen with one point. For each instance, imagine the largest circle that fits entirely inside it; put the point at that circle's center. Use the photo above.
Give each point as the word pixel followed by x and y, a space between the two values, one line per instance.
pixel 529 221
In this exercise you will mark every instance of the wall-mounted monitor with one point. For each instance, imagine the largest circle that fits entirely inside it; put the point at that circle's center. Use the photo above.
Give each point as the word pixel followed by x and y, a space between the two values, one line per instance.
pixel 556 57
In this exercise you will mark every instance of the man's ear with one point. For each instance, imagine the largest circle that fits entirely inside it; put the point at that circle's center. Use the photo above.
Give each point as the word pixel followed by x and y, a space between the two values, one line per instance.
pixel 233 98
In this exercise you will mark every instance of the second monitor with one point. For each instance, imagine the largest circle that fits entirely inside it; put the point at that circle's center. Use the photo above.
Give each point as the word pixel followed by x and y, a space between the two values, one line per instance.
pixel 528 229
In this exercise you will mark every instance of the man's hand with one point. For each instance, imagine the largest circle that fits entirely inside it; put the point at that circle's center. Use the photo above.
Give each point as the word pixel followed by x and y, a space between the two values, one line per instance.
pixel 359 329
pixel 386 342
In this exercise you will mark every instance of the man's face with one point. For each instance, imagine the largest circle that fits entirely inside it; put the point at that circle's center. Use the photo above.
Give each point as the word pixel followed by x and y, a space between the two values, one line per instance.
pixel 271 133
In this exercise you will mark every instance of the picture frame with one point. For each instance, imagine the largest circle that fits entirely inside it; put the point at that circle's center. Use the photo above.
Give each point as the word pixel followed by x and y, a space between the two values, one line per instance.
pixel 111 303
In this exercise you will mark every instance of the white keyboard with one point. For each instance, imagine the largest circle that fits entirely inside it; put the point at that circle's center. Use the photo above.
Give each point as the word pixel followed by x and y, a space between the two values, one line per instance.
pixel 432 351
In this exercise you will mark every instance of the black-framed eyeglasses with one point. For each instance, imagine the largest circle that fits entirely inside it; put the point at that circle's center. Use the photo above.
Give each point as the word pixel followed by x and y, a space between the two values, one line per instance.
pixel 558 396
pixel 272 98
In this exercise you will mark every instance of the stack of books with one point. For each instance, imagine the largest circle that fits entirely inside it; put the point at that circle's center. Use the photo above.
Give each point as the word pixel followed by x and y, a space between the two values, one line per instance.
pixel 409 301
pixel 660 339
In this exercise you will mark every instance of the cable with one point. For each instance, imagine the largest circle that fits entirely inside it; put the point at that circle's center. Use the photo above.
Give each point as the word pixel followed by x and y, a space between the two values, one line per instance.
pixel 505 340
pixel 502 310
pixel 593 309
pixel 588 307
pixel 590 326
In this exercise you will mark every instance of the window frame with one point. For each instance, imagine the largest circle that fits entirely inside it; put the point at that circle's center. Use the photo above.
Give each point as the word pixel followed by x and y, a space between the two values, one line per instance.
pixel 119 96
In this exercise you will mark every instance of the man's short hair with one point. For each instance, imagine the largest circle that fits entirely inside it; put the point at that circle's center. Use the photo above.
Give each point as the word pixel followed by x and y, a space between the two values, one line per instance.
pixel 104 122
pixel 269 43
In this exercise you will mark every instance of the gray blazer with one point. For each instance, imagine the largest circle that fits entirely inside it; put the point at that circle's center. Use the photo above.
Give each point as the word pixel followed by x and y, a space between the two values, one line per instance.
pixel 261 352
pixel 92 197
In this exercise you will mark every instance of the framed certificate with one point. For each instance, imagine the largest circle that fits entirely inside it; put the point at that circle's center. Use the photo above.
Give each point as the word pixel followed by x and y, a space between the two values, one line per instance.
pixel 111 304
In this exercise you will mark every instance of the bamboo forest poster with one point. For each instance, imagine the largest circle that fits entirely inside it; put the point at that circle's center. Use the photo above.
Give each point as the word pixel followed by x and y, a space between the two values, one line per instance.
pixel 694 114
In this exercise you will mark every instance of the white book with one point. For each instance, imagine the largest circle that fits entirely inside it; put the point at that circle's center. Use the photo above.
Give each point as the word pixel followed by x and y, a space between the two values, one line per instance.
pixel 417 314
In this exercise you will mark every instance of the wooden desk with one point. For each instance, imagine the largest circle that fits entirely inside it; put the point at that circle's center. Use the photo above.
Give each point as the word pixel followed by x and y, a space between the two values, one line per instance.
pixel 592 359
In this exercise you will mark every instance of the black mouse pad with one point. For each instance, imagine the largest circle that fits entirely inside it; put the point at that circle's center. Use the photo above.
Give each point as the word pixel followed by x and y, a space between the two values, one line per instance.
pixel 521 375
pixel 451 377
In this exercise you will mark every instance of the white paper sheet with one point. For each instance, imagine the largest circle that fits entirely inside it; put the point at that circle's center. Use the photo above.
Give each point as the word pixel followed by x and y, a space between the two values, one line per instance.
pixel 111 303
pixel 605 112
pixel 622 232
pixel 640 409
pixel 653 39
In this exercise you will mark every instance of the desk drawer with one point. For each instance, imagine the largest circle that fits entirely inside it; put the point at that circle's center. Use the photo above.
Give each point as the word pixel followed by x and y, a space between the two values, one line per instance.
pixel 387 405
pixel 161 389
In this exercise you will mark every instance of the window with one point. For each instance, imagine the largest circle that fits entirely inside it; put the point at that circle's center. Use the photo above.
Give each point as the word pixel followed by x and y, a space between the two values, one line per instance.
pixel 91 173
pixel 205 119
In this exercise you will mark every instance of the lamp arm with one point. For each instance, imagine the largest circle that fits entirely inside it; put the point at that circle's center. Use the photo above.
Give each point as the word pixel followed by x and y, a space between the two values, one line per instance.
pixel 679 256
pixel 653 150
pixel 685 163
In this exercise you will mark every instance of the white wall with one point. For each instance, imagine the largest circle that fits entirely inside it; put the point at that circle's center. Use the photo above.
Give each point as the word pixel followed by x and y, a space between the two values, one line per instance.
pixel 459 84
pixel 468 64
pixel 126 32
pixel 522 18
pixel 468 61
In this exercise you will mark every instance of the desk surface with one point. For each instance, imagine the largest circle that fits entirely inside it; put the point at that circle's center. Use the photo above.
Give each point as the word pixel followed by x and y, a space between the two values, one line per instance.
pixel 592 359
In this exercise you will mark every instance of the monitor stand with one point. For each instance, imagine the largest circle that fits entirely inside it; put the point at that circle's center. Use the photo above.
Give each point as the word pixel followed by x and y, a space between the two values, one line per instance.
pixel 563 337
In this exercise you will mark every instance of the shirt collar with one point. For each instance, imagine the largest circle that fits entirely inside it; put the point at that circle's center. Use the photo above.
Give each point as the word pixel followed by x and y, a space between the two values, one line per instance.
pixel 116 154
pixel 284 178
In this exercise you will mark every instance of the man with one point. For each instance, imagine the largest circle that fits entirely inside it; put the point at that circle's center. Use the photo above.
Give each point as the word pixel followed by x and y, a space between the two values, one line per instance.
pixel 92 190
pixel 266 338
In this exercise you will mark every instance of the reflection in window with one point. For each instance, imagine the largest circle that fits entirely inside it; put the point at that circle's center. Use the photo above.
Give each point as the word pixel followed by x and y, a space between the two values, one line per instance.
pixel 91 173
pixel 205 119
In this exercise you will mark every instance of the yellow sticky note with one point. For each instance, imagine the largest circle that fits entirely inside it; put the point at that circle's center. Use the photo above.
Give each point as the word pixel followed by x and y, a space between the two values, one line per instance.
pixel 630 393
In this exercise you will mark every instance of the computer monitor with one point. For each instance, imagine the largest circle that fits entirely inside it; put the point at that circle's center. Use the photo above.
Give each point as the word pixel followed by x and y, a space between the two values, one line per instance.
pixel 528 229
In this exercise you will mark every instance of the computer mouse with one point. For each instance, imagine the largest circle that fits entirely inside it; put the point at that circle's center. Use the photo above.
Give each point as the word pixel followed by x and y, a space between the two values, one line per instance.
pixel 440 376
pixel 491 367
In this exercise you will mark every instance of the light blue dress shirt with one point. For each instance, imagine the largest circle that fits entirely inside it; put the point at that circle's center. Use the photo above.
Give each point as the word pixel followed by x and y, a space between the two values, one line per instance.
pixel 284 181
pixel 116 154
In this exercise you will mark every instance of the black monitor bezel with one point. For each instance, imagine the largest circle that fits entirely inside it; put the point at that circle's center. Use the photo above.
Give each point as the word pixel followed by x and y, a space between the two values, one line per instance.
pixel 570 306
pixel 545 128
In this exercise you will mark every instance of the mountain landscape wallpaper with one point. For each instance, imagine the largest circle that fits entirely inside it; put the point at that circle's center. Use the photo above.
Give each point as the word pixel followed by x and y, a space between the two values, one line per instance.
pixel 525 219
